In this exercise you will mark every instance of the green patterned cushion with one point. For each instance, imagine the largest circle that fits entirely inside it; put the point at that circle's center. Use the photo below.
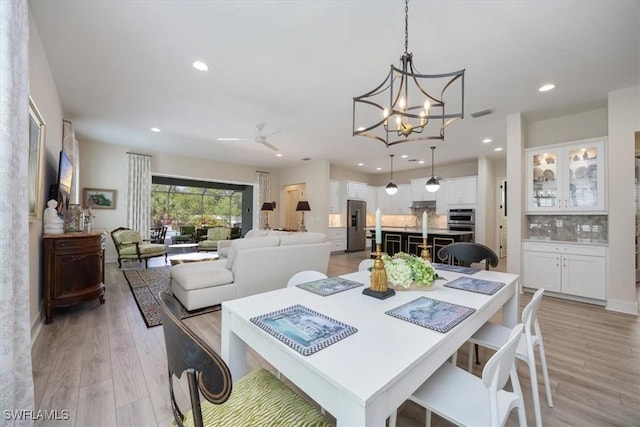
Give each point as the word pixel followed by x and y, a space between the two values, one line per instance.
pixel 260 399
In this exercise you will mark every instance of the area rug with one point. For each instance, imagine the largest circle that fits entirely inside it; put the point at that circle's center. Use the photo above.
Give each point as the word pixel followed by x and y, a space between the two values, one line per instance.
pixel 146 285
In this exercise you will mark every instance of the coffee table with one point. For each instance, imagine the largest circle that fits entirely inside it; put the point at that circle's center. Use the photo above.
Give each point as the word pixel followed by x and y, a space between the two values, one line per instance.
pixel 183 248
pixel 193 257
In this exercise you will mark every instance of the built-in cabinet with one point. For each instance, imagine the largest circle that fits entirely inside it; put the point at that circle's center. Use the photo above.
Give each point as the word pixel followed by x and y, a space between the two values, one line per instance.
pixel 397 204
pixel 567 177
pixel 441 198
pixel 419 192
pixel 338 239
pixel 370 198
pixel 461 191
pixel 335 197
pixel 577 270
pixel 356 190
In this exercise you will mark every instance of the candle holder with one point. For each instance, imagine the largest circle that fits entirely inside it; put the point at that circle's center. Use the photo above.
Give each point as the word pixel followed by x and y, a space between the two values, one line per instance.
pixel 379 285
pixel 425 255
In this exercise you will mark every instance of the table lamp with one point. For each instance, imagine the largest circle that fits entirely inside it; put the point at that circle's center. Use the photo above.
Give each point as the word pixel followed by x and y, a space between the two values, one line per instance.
pixel 267 207
pixel 303 206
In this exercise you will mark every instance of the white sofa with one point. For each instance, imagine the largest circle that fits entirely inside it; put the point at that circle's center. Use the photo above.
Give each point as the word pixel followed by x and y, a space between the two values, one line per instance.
pixel 252 266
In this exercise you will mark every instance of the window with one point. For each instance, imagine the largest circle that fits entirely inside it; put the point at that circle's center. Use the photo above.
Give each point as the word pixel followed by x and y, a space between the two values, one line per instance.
pixel 177 202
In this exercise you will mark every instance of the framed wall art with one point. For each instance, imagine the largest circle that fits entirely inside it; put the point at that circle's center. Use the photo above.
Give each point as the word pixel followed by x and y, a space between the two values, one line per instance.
pixel 99 198
pixel 36 151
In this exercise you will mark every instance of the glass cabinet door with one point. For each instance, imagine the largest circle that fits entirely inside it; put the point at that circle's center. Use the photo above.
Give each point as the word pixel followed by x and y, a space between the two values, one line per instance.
pixel 585 177
pixel 545 187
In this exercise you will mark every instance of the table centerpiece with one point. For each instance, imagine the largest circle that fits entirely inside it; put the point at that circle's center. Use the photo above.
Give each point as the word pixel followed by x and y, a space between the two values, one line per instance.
pixel 407 272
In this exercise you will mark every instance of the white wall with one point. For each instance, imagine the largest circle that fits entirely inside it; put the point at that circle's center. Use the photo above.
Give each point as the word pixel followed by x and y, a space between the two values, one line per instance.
pixel 45 95
pixel 444 171
pixel 486 205
pixel 589 124
pixel 515 192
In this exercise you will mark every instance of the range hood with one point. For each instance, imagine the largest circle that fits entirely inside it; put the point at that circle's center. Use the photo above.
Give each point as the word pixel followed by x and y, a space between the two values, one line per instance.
pixel 420 204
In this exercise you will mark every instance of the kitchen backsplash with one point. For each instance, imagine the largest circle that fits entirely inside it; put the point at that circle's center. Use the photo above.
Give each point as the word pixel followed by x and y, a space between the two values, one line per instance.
pixel 568 228
pixel 410 221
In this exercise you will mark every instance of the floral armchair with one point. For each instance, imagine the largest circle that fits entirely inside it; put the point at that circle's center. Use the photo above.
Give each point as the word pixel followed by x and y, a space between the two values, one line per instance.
pixel 214 234
pixel 129 245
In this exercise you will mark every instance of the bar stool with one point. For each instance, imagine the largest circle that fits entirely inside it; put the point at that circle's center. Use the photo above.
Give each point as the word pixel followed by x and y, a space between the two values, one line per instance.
pixel 414 245
pixel 394 241
pixel 439 243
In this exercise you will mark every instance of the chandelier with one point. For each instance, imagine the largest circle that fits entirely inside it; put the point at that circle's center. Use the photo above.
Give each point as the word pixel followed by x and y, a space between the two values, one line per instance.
pixel 409 106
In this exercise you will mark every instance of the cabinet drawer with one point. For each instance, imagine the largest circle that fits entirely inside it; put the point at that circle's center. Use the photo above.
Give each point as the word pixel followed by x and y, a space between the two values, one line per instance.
pixel 78 243
pixel 564 249
pixel 337 233
pixel 338 245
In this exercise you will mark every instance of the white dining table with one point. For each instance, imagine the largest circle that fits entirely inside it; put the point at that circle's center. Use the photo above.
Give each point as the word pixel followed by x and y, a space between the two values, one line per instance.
pixel 365 377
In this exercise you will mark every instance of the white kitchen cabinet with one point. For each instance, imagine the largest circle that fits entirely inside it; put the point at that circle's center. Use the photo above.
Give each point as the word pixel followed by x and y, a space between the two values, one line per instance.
pixel 567 177
pixel 337 236
pixel 335 197
pixel 370 198
pixel 356 190
pixel 578 270
pixel 442 206
pixel 462 191
pixel 399 202
pixel 419 192
pixel 383 201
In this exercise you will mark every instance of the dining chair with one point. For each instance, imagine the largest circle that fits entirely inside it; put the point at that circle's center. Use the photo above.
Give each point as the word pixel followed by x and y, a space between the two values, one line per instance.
pixel 466 253
pixel 365 264
pixel 305 276
pixel 492 335
pixel 464 399
pixel 439 243
pixel 258 398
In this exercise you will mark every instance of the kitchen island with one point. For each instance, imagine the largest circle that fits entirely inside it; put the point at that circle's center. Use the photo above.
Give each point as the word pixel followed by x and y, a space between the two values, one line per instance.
pixel 401 239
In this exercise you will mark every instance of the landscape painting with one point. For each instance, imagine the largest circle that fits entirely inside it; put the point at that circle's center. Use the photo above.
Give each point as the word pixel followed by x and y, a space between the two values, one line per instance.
pixel 99 198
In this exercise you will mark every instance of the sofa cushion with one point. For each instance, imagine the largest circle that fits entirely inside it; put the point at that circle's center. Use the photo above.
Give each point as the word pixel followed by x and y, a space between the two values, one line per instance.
pixel 198 275
pixel 258 242
pixel 302 239
pixel 256 233
pixel 145 249
pixel 278 233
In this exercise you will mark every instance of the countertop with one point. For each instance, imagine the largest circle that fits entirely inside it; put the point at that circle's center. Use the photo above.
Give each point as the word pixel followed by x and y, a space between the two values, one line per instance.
pixel 414 230
pixel 567 242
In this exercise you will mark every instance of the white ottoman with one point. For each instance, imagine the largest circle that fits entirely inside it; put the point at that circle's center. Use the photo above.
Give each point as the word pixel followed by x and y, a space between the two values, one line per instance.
pixel 202 284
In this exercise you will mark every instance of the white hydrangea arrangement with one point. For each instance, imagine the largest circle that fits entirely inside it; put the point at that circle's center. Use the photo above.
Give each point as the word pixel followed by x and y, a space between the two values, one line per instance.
pixel 405 269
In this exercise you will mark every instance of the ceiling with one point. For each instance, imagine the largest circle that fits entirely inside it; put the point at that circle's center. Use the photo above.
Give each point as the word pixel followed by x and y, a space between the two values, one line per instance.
pixel 123 67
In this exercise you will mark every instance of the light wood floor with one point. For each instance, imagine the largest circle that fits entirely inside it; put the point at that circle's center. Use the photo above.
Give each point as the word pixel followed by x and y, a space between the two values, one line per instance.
pixel 102 364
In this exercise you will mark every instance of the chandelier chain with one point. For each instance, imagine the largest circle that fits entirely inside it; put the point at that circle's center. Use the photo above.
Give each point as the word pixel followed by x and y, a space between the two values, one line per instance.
pixel 406 27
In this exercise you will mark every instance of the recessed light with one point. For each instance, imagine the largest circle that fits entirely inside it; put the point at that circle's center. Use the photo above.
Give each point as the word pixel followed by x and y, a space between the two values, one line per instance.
pixel 378 169
pixel 155 129
pixel 486 140
pixel 547 87
pixel 229 139
pixel 404 156
pixel 201 66
pixel 497 149
pixel 361 128
pixel 421 162
pixel 360 164
pixel 278 154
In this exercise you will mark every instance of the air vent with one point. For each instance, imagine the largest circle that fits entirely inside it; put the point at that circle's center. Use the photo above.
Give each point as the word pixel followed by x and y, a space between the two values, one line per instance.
pixel 412 160
pixel 306 159
pixel 482 113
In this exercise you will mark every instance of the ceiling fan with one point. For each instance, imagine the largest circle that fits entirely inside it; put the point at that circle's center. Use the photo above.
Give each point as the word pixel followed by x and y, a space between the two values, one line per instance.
pixel 261 138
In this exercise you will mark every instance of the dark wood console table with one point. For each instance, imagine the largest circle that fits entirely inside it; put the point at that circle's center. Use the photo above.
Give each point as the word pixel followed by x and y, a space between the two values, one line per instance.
pixel 73 269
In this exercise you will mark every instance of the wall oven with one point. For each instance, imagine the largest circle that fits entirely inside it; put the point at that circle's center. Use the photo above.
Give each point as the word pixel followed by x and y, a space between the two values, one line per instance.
pixel 462 220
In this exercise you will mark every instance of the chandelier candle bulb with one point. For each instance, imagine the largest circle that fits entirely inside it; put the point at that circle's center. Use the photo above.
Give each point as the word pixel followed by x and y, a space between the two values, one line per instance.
pixel 424 224
pixel 378 228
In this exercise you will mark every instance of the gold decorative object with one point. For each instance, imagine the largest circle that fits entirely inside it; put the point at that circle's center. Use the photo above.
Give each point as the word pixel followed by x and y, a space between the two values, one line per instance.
pixel 379 286
pixel 425 255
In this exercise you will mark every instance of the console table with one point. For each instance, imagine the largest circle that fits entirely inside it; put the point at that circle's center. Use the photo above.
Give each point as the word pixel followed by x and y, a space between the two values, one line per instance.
pixel 73 269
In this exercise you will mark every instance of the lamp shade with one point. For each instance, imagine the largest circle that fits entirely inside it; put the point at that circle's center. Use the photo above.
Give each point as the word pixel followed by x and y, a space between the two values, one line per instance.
pixel 391 188
pixel 302 206
pixel 267 206
pixel 432 185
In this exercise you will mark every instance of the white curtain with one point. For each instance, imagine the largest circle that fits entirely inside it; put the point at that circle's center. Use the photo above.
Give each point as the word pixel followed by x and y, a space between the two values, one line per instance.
pixel 139 194
pixel 16 376
pixel 263 180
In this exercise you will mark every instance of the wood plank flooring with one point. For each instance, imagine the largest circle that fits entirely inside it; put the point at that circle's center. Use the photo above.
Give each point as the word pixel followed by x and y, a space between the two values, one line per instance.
pixel 107 368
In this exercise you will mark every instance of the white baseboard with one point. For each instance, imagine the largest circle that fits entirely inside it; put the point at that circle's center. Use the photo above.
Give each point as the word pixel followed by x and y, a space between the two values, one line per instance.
pixel 627 307
pixel 36 326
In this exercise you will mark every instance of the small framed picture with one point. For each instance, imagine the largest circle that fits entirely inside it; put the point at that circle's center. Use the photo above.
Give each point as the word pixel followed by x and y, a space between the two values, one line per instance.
pixel 99 198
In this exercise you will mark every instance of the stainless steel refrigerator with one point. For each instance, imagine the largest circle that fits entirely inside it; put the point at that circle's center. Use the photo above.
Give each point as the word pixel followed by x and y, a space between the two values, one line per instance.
pixel 356 225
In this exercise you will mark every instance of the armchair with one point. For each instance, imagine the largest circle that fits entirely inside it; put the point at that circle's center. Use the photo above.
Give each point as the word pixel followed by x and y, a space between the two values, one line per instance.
pixel 129 245
pixel 214 234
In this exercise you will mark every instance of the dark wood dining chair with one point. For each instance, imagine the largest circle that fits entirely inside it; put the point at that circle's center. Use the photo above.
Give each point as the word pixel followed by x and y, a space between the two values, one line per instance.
pixel 226 403
pixel 466 253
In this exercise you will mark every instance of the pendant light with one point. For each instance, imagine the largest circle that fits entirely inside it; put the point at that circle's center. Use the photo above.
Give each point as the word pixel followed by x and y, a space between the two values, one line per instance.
pixel 392 188
pixel 432 184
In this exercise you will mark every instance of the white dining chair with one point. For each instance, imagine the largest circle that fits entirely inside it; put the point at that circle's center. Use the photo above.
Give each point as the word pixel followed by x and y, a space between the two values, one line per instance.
pixel 464 399
pixel 492 335
pixel 365 264
pixel 305 277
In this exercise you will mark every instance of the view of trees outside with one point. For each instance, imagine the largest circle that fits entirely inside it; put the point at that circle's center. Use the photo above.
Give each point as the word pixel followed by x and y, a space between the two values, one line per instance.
pixel 173 206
